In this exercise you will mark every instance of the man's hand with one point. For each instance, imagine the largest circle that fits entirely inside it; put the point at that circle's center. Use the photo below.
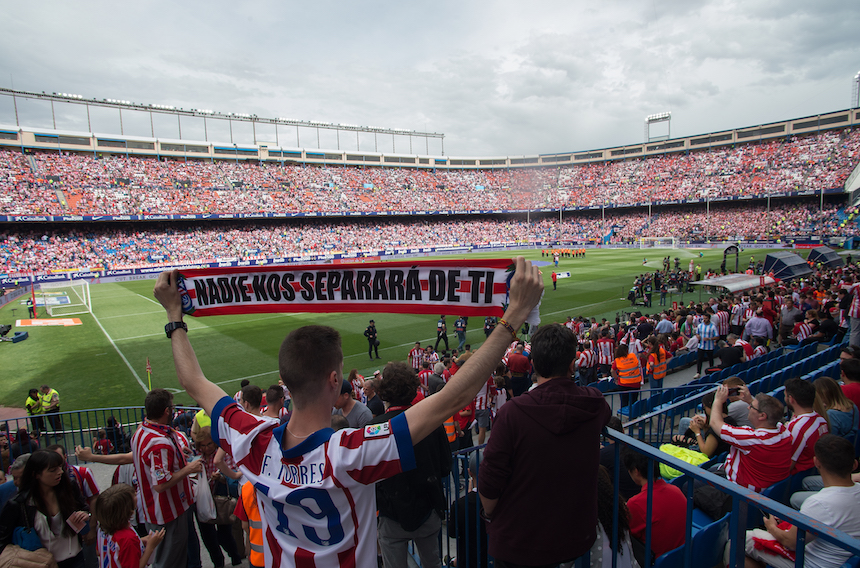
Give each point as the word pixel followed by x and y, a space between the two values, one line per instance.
pixel 720 397
pixel 187 368
pixel 167 293
pixel 745 395
pixel 194 467
pixel 83 454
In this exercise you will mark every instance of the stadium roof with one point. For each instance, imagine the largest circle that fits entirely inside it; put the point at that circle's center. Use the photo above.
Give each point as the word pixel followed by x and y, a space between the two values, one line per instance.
pixel 736 282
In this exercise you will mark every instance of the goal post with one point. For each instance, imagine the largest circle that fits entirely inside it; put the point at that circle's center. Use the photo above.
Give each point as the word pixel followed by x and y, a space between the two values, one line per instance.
pixel 658 242
pixel 66 298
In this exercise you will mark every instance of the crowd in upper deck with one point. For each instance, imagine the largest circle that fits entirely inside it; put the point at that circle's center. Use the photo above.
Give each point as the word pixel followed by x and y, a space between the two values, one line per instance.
pixel 62 183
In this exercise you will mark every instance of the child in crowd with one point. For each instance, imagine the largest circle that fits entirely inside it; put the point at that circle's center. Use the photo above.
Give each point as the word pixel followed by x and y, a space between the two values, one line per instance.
pixel 118 545
pixel 102 446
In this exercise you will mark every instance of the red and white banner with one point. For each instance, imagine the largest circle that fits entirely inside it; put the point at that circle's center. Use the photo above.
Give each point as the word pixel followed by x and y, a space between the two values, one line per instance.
pixel 477 287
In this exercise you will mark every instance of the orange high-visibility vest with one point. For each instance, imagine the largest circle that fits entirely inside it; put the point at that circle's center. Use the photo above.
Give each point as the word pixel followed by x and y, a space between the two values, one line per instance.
pixel 450 430
pixel 249 502
pixel 629 371
pixel 658 370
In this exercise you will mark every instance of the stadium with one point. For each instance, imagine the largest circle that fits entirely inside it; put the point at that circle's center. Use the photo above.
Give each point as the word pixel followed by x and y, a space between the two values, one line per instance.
pixel 89 220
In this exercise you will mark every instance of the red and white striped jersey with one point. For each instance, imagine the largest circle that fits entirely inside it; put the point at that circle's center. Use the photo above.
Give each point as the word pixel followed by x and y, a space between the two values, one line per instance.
pixel 722 321
pixel 586 359
pixel 422 378
pixel 119 550
pixel 157 454
pixel 805 430
pixel 748 314
pixel 737 314
pixel 85 480
pixel 854 309
pixel 605 351
pixel 415 357
pixel 748 349
pixel 758 458
pixel 317 500
pixel 759 351
pixel 484 400
pixel 802 330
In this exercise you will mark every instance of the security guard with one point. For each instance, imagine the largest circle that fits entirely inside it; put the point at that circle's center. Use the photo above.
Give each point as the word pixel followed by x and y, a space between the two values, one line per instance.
pixel 51 407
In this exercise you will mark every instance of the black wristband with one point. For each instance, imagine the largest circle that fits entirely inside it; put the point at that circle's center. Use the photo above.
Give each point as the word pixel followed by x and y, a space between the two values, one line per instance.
pixel 173 326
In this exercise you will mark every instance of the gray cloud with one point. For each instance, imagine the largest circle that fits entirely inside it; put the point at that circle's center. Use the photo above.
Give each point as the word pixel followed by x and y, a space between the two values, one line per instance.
pixel 502 78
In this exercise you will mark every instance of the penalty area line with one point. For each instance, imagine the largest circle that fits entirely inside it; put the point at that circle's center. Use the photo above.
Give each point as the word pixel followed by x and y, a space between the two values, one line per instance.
pixel 121 354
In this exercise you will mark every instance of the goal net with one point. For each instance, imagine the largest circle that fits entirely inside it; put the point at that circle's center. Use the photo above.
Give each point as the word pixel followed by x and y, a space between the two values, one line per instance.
pixel 65 298
pixel 658 242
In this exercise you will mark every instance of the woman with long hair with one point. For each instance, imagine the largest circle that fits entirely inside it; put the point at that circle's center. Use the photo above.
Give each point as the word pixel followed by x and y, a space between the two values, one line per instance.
pixel 842 413
pixel 51 504
pixel 601 550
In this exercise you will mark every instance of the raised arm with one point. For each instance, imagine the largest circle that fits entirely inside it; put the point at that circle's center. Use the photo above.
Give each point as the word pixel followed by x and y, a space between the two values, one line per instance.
pixel 187 368
pixel 430 413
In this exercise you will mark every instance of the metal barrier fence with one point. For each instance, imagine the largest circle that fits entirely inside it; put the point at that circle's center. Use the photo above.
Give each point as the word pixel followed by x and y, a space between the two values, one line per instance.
pixel 744 503
pixel 83 427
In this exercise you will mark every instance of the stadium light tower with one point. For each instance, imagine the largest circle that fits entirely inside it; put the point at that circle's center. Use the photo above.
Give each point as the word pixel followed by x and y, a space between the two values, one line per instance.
pixel 656 119
pixel 855 92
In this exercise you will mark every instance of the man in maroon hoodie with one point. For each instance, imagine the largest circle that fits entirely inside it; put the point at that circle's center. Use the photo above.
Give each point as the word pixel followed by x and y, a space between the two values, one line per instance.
pixel 538 479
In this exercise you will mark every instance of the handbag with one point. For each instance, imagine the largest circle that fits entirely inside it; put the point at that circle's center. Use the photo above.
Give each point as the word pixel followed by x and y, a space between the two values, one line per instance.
pixel 26 538
pixel 224 507
pixel 14 556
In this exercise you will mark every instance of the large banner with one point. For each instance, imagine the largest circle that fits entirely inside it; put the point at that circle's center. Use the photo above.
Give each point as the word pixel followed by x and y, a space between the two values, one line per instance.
pixel 476 287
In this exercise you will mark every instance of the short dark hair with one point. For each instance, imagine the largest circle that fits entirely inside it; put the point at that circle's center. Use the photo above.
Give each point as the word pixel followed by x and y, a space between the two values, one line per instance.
pixel 399 384
pixel 33 391
pixel 307 357
pixel 113 507
pixel 835 454
pixel 156 402
pixel 615 424
pixel 634 461
pixel 851 368
pixel 553 350
pixel 274 393
pixel 244 383
pixel 253 395
pixel 802 391
pixel 770 406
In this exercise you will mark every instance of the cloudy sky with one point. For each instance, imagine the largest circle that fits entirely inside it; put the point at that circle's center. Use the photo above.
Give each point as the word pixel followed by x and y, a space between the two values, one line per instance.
pixel 497 78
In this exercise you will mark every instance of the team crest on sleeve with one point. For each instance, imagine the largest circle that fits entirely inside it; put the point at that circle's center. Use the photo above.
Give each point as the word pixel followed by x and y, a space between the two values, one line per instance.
pixel 377 430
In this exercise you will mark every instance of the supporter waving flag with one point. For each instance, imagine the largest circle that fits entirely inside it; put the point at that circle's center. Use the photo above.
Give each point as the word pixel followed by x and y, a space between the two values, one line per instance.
pixel 477 287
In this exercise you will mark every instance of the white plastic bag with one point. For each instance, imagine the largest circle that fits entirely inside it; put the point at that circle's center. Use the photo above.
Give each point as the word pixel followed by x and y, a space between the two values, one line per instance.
pixel 205 503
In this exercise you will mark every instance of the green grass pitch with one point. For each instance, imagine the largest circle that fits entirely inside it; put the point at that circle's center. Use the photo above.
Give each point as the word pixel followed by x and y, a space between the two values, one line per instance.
pixel 100 363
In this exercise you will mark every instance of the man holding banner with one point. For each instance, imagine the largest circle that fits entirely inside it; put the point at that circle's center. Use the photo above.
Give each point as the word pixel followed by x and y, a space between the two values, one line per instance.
pixel 304 461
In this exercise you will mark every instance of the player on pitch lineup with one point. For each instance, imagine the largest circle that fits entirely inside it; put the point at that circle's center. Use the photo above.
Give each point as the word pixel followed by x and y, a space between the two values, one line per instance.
pixel 315 487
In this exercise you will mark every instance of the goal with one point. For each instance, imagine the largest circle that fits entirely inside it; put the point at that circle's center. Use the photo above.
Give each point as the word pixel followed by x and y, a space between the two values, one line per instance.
pixel 658 242
pixel 66 298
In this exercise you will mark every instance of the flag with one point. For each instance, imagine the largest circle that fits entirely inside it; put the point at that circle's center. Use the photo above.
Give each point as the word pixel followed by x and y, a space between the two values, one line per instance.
pixel 149 373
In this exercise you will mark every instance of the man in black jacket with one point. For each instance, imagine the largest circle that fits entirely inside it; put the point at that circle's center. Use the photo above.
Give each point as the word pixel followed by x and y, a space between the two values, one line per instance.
pixel 372 341
pixel 411 504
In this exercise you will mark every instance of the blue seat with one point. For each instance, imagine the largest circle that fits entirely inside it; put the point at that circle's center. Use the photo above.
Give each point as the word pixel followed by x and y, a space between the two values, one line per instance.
pixel 778 492
pixel 672 559
pixel 853 562
pixel 710 541
pixel 634 410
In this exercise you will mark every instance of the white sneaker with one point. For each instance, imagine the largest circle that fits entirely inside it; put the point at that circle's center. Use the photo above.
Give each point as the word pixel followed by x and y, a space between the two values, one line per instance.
pixel 696 376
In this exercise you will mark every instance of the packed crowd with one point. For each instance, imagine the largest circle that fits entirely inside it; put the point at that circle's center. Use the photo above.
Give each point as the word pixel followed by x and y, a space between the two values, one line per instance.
pixel 81 184
pixel 133 245
pixel 388 449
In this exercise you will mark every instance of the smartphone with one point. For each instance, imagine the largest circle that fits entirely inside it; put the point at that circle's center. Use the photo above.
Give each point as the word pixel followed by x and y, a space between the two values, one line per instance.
pixel 734 391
